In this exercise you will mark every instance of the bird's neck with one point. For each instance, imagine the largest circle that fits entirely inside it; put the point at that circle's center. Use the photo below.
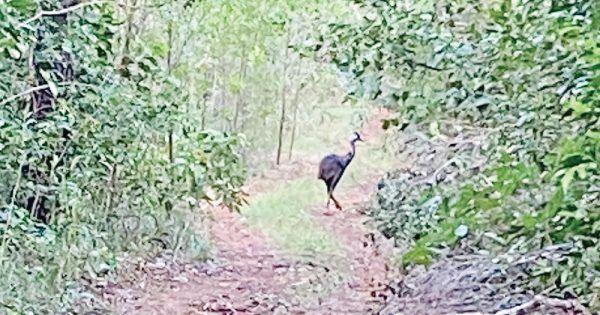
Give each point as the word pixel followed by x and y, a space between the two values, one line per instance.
pixel 353 149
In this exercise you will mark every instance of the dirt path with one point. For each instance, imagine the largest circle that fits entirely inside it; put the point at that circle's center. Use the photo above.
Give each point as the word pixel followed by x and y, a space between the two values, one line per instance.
pixel 250 276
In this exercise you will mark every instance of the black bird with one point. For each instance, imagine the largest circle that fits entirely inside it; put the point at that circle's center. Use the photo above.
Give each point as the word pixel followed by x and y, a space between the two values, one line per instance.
pixel 332 168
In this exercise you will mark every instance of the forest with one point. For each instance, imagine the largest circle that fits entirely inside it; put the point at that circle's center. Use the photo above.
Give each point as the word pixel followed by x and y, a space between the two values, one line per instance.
pixel 161 157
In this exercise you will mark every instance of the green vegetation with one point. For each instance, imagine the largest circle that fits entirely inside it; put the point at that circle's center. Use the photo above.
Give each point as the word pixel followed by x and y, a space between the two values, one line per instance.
pixel 284 215
pixel 118 118
pixel 100 155
pixel 526 70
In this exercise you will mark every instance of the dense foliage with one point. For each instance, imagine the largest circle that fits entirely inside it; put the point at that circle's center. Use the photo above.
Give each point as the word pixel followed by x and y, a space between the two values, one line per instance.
pixel 525 74
pixel 108 112
pixel 101 153
pixel 233 56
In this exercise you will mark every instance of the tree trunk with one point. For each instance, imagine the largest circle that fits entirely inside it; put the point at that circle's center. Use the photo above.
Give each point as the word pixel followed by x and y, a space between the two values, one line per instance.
pixel 212 95
pixel 130 12
pixel 283 100
pixel 42 104
pixel 204 101
pixel 240 99
pixel 219 100
pixel 171 144
pixel 169 56
pixel 294 119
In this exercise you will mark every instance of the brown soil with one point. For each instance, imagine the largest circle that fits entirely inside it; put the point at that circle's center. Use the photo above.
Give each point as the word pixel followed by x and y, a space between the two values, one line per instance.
pixel 250 276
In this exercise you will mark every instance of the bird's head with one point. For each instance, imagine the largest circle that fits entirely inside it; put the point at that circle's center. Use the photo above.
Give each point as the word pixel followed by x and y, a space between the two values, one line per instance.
pixel 357 137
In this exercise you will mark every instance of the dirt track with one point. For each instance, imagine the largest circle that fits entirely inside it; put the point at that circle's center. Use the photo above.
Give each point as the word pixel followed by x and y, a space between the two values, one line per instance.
pixel 250 276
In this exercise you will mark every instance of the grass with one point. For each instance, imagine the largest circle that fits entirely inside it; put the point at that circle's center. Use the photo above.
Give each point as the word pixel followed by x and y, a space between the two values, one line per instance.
pixel 283 213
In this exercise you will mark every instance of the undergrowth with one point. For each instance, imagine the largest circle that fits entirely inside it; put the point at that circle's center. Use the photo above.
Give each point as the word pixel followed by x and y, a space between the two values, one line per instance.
pixel 522 75
pixel 516 208
pixel 98 163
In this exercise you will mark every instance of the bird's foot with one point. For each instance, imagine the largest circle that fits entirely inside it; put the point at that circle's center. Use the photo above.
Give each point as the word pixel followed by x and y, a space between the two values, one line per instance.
pixel 337 206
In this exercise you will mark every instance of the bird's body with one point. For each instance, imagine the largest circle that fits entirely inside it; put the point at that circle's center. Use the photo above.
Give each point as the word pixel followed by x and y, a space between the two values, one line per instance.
pixel 332 168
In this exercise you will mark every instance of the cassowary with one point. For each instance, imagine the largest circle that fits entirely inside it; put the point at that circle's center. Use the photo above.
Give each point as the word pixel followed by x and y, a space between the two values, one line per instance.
pixel 332 168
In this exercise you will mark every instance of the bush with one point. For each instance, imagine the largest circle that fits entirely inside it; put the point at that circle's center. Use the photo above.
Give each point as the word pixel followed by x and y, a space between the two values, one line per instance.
pixel 97 161
pixel 526 69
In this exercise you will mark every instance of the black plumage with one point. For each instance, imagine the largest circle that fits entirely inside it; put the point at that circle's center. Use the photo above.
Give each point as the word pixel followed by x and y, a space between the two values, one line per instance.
pixel 332 168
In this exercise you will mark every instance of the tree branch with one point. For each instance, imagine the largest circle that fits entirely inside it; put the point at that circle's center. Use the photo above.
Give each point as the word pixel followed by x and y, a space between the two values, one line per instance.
pixel 35 89
pixel 26 92
pixel 413 64
pixel 61 11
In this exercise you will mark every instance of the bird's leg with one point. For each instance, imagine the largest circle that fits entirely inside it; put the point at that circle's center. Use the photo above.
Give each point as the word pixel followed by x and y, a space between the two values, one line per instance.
pixel 337 204
pixel 329 192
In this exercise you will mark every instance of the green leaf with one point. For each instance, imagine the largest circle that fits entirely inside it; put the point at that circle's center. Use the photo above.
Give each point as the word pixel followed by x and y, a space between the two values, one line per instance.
pixel 14 53
pixel 51 85
pixel 595 135
pixel 159 49
pixel 581 170
pixel 578 107
pixel 387 123
pixel 434 128
pixel 22 5
pixel 529 221
pixel 461 231
pixel 567 179
pixel 418 255
pixel 482 101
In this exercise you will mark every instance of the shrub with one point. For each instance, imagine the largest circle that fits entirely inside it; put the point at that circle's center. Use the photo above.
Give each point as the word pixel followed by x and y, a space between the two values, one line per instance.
pixel 100 157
